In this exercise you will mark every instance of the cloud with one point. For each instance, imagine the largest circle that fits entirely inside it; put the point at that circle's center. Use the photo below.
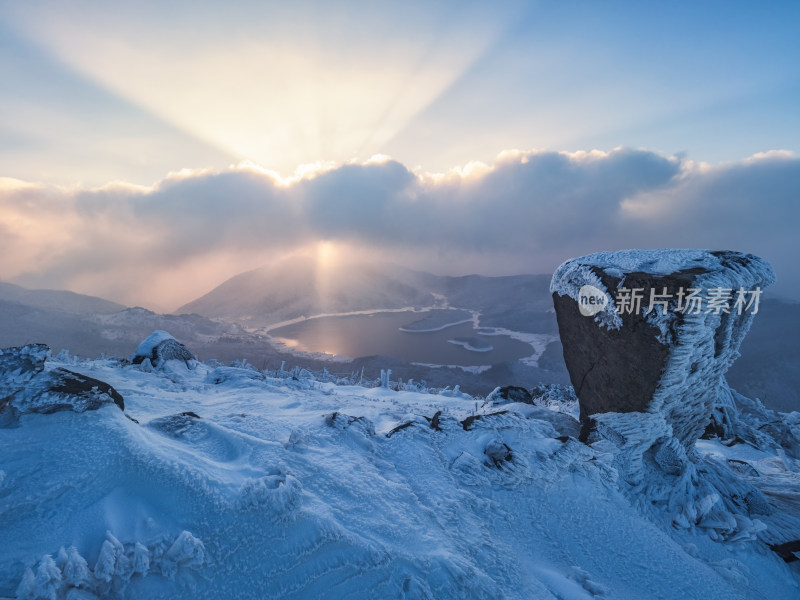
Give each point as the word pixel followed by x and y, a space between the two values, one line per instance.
pixel 166 244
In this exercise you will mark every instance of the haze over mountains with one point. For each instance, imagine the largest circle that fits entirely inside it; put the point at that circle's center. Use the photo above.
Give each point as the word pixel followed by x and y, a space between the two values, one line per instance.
pixel 301 286
pixel 298 287
pixel 62 300
pixel 228 322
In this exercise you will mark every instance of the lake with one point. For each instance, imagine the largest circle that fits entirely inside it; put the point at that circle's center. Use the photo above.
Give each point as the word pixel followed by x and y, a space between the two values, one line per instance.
pixel 428 341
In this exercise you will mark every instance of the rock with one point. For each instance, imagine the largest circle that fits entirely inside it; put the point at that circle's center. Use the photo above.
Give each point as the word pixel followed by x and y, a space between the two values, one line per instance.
pixel 788 551
pixel 159 347
pixel 555 396
pixel 342 421
pixel 67 390
pixel 470 420
pixel 655 330
pixel 498 452
pixel 28 388
pixel 435 421
pixel 513 393
pixel 20 364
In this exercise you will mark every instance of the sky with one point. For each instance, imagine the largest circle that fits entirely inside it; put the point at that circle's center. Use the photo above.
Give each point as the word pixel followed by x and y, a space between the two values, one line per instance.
pixel 151 150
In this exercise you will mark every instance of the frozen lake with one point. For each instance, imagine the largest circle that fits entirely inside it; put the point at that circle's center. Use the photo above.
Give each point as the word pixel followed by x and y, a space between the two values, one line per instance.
pixel 380 333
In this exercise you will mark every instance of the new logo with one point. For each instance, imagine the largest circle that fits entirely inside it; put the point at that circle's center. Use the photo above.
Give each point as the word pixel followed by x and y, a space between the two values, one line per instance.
pixel 591 300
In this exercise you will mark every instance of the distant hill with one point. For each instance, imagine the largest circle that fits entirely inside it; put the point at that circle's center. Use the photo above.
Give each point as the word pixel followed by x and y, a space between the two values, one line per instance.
pixel 60 300
pixel 89 326
pixel 769 368
pixel 294 288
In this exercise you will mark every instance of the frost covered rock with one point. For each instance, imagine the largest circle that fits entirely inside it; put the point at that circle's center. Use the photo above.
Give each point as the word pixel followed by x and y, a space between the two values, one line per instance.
pixel 26 387
pixel 342 421
pixel 655 330
pixel 159 347
pixel 510 393
pixel 19 365
pixel 498 452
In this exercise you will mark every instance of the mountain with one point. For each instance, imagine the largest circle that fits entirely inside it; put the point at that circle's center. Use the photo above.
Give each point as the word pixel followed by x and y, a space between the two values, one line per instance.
pixel 516 302
pixel 59 300
pixel 299 287
pixel 768 368
pixel 90 326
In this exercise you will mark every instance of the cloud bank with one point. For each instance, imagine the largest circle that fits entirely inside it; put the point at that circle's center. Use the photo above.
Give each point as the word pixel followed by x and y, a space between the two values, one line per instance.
pixel 163 245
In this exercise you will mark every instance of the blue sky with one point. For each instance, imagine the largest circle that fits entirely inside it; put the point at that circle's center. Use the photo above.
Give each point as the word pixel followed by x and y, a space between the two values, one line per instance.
pixel 101 92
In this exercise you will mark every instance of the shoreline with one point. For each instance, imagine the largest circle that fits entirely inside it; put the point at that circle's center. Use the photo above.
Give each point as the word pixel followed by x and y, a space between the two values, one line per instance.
pixel 537 341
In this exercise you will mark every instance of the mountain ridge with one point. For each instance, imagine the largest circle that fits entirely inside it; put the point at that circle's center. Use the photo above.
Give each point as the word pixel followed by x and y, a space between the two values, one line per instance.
pixel 62 300
pixel 298 287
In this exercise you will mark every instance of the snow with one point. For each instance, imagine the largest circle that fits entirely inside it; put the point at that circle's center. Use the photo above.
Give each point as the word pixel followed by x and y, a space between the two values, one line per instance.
pixel 663 261
pixel 235 483
pixel 467 369
pixel 148 344
pixel 473 344
pixel 726 272
pixel 571 276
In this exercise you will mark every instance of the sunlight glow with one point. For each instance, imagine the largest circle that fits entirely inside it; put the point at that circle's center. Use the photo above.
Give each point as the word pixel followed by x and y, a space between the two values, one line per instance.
pixel 326 267
pixel 261 95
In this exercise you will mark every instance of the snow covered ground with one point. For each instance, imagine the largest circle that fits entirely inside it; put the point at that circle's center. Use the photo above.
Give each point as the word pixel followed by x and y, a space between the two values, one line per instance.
pixel 234 484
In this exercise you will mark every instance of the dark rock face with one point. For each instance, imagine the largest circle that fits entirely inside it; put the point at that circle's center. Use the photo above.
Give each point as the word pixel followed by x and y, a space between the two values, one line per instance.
pixel 655 330
pixel 620 378
pixel 67 390
pixel 470 420
pixel 788 551
pixel 26 386
pixel 514 393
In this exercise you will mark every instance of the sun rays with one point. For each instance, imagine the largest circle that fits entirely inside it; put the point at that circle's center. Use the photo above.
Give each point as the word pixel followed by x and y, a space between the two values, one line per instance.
pixel 259 94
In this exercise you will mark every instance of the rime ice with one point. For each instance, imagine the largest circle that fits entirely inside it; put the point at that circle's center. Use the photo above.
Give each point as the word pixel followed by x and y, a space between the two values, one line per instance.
pixel 671 326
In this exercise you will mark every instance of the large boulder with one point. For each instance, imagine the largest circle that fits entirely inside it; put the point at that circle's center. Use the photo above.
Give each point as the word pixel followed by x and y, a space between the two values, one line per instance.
pixel 27 387
pixel 655 330
pixel 159 347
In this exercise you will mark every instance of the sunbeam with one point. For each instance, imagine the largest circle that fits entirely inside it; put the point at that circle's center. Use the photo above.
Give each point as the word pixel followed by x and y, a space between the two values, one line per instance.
pixel 263 96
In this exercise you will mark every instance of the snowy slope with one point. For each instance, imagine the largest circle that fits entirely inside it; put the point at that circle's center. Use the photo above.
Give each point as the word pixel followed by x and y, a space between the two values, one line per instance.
pixel 295 488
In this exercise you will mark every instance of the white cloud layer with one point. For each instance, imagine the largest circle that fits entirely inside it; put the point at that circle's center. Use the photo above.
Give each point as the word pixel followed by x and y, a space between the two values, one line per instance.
pixel 163 245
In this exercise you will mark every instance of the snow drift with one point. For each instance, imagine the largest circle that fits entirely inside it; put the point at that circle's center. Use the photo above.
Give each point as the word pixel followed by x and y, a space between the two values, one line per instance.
pixel 232 482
